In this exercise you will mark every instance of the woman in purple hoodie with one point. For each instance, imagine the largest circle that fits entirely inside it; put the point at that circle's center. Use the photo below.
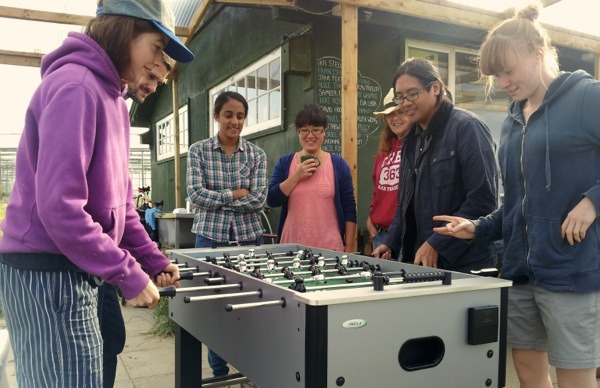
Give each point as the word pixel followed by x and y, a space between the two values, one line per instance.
pixel 70 222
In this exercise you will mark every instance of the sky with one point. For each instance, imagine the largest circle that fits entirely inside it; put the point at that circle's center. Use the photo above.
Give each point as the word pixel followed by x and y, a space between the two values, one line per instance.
pixel 20 82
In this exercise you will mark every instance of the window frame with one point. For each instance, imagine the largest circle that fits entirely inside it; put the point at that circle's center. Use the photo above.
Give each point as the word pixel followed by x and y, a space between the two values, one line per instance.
pixel 166 150
pixel 233 80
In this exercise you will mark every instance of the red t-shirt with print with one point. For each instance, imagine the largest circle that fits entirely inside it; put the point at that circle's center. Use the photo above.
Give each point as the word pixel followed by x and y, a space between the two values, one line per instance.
pixel 385 186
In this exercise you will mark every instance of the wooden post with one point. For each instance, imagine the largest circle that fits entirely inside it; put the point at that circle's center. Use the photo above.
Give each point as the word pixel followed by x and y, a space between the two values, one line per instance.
pixel 176 156
pixel 349 90
pixel 597 66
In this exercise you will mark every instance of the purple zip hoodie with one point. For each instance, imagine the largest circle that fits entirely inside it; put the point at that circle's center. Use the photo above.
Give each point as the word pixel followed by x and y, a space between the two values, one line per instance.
pixel 73 193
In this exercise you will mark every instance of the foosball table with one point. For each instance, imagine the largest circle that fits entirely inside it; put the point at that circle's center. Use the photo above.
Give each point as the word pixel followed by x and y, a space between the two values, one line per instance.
pixel 294 316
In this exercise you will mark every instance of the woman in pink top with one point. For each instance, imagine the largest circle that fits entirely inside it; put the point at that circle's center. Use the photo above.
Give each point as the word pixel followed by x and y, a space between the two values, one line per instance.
pixel 314 189
pixel 386 168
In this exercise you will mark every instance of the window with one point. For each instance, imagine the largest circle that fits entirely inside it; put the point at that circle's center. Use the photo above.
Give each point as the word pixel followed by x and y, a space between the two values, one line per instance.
pixel 459 71
pixel 260 84
pixel 165 137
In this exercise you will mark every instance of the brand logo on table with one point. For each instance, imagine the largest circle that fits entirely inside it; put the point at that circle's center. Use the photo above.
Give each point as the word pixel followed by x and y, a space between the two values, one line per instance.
pixel 354 324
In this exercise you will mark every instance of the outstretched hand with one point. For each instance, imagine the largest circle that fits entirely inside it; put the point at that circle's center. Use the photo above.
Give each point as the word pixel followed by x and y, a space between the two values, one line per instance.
pixel 456 227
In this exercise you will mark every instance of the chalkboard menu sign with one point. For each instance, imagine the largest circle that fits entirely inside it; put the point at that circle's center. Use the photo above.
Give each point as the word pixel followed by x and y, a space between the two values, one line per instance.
pixel 329 97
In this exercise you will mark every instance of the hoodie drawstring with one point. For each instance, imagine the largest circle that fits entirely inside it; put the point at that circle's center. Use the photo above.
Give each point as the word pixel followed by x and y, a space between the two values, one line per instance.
pixel 547 165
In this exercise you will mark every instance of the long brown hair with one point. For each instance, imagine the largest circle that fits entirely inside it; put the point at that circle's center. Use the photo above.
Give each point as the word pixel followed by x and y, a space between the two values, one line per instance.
pixel 386 139
pixel 114 33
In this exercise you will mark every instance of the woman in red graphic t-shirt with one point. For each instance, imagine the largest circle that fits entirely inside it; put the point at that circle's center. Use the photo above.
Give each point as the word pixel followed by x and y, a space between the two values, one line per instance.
pixel 386 168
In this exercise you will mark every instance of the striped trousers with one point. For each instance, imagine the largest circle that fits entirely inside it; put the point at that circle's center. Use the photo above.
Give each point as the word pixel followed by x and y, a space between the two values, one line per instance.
pixel 53 327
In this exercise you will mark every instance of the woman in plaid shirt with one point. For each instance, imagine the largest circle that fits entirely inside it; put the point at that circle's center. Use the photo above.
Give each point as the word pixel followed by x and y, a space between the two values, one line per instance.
pixel 227 184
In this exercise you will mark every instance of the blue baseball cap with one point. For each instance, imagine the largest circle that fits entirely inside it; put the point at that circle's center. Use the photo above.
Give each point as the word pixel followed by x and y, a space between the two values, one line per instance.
pixel 159 13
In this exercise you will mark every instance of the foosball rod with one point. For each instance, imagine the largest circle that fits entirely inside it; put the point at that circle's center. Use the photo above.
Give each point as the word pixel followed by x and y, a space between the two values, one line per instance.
pixel 243 306
pixel 239 286
pixel 189 299
pixel 306 266
pixel 187 269
pixel 265 260
pixel 333 270
pixel 222 258
pixel 187 275
pixel 395 281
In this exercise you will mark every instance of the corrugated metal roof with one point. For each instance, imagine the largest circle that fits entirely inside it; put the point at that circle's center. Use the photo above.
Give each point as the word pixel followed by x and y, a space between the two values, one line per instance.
pixel 184 11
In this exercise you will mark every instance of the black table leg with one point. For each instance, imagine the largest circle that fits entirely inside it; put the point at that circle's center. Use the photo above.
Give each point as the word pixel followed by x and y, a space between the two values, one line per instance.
pixel 188 359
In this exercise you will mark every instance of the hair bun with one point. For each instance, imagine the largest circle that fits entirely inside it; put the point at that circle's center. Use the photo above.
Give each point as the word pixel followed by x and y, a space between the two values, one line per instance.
pixel 530 12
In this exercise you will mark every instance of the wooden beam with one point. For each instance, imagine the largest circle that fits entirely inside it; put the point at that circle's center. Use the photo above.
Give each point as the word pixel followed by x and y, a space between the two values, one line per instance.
pixel 547 3
pixel 192 27
pixel 350 91
pixel 197 19
pixel 182 31
pixel 282 3
pixel 471 17
pixel 43 16
pixel 428 10
pixel 59 18
pixel 176 141
pixel 18 58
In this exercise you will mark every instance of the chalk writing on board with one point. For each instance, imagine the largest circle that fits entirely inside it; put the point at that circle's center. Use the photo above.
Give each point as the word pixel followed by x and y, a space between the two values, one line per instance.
pixel 329 96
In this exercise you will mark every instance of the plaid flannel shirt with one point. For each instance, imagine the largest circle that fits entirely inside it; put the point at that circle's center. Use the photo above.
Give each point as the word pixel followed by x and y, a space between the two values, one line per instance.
pixel 211 178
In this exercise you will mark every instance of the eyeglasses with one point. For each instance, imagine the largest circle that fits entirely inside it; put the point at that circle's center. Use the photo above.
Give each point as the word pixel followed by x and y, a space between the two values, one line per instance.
pixel 411 96
pixel 314 130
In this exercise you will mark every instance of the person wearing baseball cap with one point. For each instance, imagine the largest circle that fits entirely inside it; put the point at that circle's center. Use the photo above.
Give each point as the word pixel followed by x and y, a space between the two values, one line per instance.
pixel 386 167
pixel 159 14
pixel 70 223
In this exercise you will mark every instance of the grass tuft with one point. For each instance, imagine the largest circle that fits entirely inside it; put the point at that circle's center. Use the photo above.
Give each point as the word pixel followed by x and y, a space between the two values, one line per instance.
pixel 163 325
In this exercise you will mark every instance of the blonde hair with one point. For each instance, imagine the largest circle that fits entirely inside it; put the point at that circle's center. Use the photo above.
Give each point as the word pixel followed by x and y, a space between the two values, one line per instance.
pixel 521 36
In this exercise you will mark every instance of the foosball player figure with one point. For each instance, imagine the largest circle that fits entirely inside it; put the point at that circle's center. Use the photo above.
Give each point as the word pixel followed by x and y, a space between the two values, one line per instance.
pixel 321 262
pixel 366 272
pixel 296 262
pixel 287 274
pixel 228 264
pixel 298 285
pixel 242 266
pixel 257 274
pixel 271 264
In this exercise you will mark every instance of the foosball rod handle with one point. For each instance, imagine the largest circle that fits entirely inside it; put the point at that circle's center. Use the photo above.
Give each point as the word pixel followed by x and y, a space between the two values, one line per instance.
pixel 418 277
pixel 169 291
pixel 242 306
